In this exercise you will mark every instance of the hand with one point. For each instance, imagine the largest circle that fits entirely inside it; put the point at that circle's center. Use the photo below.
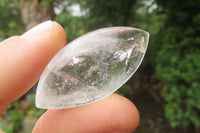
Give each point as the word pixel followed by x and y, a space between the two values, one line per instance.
pixel 22 60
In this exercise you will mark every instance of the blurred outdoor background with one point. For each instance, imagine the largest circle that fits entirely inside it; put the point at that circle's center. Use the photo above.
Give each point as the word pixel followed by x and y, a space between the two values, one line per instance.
pixel 166 86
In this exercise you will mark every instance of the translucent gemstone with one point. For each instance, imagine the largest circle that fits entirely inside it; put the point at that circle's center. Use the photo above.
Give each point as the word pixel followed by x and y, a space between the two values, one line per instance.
pixel 91 67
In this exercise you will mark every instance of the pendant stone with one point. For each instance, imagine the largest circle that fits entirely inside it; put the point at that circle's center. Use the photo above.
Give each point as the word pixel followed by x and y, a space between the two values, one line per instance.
pixel 91 67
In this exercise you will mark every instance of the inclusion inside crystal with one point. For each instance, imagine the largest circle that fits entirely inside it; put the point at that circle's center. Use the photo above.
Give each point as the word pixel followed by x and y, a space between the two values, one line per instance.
pixel 91 67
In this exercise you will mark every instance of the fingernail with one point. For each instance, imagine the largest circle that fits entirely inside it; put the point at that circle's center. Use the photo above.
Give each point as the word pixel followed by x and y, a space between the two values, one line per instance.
pixel 39 30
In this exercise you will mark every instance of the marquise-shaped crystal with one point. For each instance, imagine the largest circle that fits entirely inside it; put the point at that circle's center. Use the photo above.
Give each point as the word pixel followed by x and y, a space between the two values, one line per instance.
pixel 91 67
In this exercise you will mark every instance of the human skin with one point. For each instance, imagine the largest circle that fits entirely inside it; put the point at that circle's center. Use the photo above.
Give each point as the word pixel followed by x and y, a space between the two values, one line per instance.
pixel 22 60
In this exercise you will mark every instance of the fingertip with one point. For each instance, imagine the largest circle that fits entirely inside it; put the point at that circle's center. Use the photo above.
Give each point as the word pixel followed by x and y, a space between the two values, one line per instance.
pixel 112 114
pixel 124 115
pixel 130 118
pixel 62 34
pixel 48 30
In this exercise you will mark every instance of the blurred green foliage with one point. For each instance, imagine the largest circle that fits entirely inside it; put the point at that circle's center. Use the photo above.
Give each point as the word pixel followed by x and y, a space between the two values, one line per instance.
pixel 178 61
pixel 125 90
pixel 10 20
pixel 103 13
pixel 12 119
pixel 73 25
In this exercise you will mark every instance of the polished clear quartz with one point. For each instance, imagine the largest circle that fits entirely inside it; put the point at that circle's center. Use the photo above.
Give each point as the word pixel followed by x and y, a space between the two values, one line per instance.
pixel 91 67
